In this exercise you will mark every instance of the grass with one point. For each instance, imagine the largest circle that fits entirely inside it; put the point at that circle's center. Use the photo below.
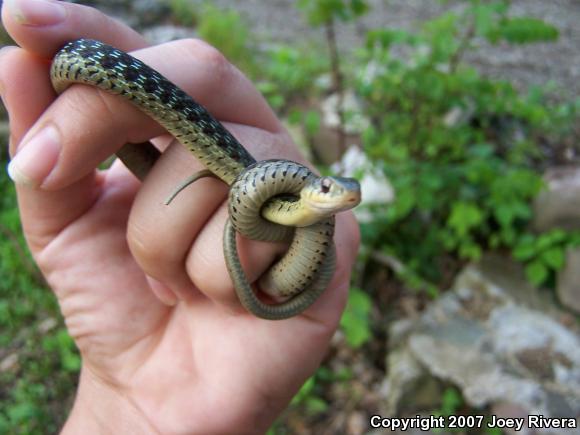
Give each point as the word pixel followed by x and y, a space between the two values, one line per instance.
pixel 38 361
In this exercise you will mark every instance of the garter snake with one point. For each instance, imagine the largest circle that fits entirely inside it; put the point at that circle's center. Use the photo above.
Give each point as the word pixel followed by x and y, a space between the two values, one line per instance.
pixel 268 200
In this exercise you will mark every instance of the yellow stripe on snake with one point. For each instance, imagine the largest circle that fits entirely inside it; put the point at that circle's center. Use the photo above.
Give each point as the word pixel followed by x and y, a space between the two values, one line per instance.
pixel 270 200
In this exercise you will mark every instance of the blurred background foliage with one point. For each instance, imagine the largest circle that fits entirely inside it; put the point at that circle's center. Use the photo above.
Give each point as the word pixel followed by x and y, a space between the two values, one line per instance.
pixel 464 154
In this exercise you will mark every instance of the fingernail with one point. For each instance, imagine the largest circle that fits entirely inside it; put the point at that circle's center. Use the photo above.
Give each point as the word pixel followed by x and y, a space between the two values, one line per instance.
pixel 36 158
pixel 36 12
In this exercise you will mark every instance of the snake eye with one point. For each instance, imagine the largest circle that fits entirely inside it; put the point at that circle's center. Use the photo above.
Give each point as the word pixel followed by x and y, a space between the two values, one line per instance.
pixel 325 184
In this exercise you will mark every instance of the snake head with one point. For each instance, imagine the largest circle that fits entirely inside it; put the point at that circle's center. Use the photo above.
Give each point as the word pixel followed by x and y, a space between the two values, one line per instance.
pixel 326 196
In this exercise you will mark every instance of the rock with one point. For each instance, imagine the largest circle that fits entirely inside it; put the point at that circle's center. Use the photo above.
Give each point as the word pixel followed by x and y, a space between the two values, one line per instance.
pixel 568 281
pixel 355 122
pixel 325 142
pixel 498 348
pixel 136 13
pixel 165 33
pixel 558 206
pixel 356 423
pixel 325 145
pixel 506 280
pixel 47 325
pixel 150 12
pixel 404 372
pixel 511 410
pixel 9 363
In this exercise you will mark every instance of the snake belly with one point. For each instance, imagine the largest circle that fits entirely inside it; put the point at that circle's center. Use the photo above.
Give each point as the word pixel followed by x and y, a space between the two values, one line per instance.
pixel 311 255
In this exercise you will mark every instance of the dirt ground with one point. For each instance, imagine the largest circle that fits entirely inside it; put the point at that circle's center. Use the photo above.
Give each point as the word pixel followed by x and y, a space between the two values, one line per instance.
pixel 525 65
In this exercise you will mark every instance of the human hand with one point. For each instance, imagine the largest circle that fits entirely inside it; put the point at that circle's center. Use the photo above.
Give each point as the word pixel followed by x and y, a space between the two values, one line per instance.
pixel 143 287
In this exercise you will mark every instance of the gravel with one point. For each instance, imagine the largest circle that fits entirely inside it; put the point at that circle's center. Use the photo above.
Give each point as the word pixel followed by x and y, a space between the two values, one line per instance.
pixel 533 64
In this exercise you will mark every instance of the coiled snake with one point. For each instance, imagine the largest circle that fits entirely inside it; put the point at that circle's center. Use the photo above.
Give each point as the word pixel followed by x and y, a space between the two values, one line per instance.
pixel 267 199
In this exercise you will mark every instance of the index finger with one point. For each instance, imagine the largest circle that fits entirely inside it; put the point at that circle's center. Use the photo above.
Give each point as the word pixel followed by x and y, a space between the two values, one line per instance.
pixel 85 115
pixel 88 135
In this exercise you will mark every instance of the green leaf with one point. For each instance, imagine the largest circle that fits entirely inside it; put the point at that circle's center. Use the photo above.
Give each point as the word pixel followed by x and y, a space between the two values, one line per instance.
pixel 506 213
pixel 484 19
pixel 355 321
pixel 71 361
pixel 359 7
pixel 320 12
pixel 312 122
pixel 306 390
pixel 405 200
pixel 384 38
pixel 22 412
pixel 554 258
pixel 537 272
pixel 464 216
pixel 470 250
pixel 315 405
pixel 524 30
pixel 556 236
pixel 451 401
pixel 525 249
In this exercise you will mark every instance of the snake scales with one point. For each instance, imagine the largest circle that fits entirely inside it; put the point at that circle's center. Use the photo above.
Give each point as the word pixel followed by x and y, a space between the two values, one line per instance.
pixel 265 197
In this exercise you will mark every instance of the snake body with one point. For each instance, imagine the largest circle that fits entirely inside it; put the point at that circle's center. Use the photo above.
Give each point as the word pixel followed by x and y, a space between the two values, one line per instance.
pixel 255 187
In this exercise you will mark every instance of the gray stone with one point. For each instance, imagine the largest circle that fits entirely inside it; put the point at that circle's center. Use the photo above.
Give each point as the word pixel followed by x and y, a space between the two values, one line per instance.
pixel 9 363
pixel 499 348
pixel 169 32
pixel 404 372
pixel 568 282
pixel 558 206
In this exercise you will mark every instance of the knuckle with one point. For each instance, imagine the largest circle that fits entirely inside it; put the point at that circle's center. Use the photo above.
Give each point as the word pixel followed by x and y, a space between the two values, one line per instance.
pixel 207 53
pixel 217 69
pixel 153 254
pixel 207 273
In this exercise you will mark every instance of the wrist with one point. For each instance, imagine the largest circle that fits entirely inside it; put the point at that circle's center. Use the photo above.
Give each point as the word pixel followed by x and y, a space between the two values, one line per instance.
pixel 102 409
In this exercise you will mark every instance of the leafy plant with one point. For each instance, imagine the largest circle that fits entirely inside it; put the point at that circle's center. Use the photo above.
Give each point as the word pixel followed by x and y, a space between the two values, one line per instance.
pixel 326 13
pixel 355 321
pixel 229 33
pixel 544 254
pixel 309 394
pixel 523 30
pixel 451 401
pixel 37 386
pixel 320 12
pixel 286 75
pixel 223 28
pixel 461 150
pixel 307 398
pixel 184 12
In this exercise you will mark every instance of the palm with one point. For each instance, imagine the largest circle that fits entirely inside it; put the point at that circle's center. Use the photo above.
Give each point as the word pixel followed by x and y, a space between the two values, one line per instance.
pixel 127 336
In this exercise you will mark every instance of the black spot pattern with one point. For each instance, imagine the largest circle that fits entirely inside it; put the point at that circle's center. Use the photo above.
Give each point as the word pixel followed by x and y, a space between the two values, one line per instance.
pixel 125 58
pixel 179 105
pixel 150 85
pixel 165 96
pixel 130 74
pixel 108 62
pixel 140 77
